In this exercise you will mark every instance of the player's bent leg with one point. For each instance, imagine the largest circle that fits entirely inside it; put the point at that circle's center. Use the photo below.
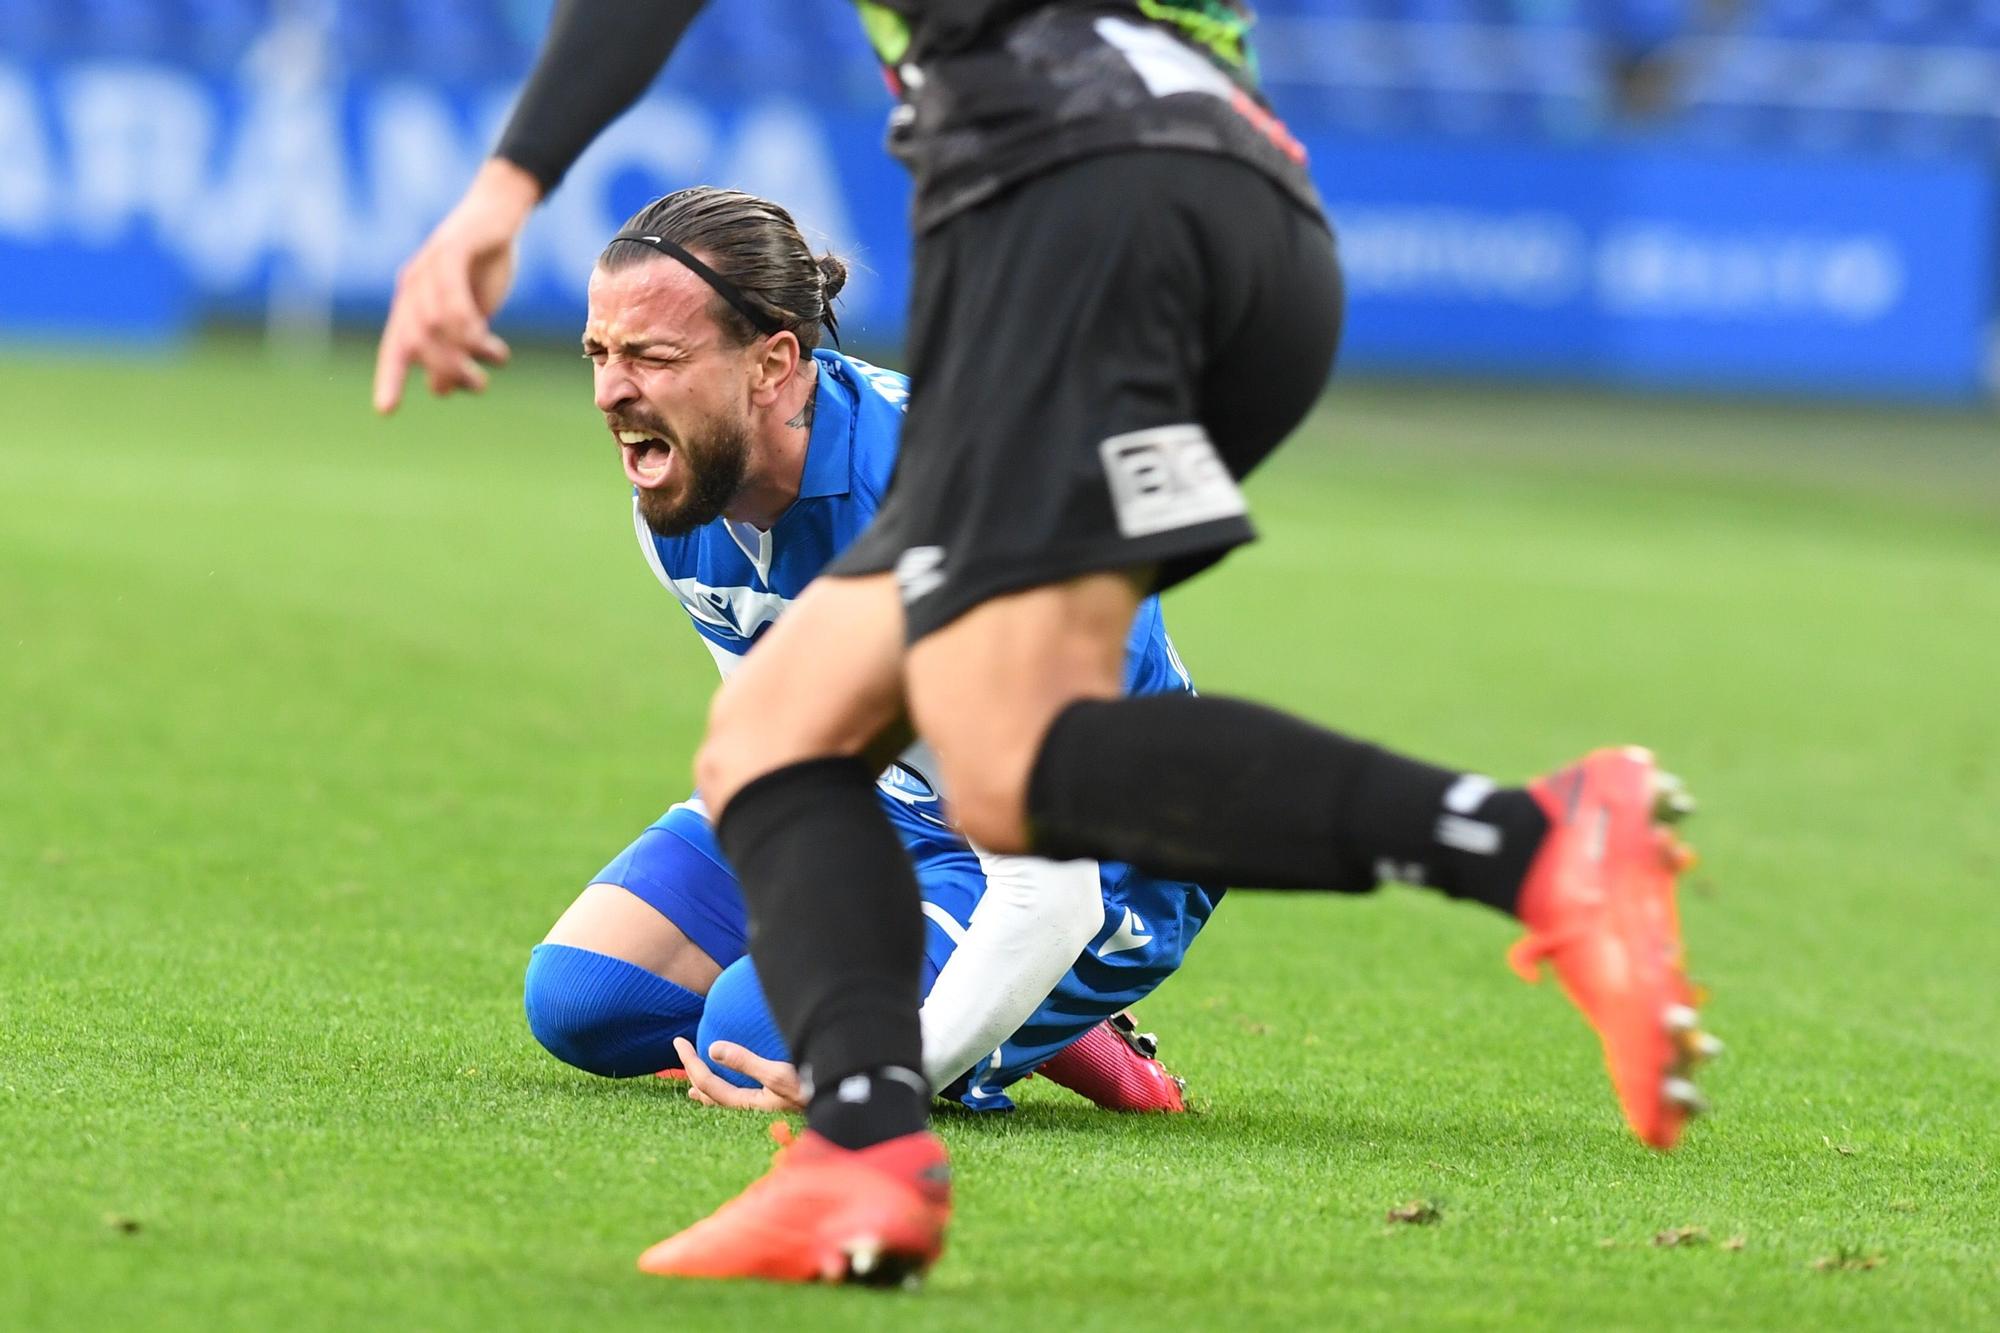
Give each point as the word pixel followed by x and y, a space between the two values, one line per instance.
pixel 984 689
pixel 1112 1063
pixel 1581 858
pixel 623 971
pixel 738 1012
pixel 612 919
pixel 603 1015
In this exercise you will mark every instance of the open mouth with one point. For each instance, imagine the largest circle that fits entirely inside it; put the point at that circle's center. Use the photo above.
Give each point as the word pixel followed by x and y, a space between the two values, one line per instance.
pixel 648 458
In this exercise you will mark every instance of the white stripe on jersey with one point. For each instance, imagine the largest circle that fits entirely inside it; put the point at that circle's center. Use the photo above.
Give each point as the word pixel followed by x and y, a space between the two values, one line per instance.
pixel 737 613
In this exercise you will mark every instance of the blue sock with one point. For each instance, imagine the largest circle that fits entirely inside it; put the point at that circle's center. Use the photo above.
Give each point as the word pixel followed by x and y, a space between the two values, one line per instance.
pixel 737 1011
pixel 605 1015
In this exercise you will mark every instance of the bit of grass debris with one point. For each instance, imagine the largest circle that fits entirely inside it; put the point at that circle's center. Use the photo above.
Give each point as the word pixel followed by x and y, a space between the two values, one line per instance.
pixel 1848 1259
pixel 1417 1213
pixel 122 1224
pixel 1678 1237
pixel 1735 1242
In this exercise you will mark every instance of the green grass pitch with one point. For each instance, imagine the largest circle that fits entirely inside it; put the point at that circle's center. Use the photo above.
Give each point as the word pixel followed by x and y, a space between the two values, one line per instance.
pixel 310 725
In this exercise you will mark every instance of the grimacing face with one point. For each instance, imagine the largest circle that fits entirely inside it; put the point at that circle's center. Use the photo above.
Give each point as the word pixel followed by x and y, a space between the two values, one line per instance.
pixel 672 388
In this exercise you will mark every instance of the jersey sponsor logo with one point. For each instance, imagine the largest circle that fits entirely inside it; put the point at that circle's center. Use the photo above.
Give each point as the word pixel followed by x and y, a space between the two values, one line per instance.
pixel 907 785
pixel 1168 477
pixel 1131 934
pixel 920 572
pixel 914 792
pixel 738 613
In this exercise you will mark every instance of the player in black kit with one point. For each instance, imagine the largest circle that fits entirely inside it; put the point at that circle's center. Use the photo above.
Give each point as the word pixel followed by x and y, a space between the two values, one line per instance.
pixel 1125 296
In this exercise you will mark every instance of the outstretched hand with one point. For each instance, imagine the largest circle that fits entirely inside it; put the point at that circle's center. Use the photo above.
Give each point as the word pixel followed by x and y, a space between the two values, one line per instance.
pixel 452 285
pixel 779 1088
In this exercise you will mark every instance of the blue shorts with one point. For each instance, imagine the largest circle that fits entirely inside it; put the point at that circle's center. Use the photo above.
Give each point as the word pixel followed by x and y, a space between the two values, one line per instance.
pixel 678 869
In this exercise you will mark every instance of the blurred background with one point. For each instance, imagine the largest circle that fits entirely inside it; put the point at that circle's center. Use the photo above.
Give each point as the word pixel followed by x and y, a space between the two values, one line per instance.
pixel 1767 195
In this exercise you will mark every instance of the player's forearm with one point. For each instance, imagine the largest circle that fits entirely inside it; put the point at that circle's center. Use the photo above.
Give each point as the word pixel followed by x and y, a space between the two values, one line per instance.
pixel 1034 919
pixel 596 58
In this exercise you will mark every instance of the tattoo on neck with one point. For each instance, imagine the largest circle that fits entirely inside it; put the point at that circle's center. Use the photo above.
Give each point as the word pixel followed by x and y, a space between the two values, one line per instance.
pixel 803 418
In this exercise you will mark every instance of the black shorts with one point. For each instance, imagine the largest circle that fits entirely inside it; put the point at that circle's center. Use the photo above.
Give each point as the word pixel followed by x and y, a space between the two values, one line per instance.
pixel 1097 356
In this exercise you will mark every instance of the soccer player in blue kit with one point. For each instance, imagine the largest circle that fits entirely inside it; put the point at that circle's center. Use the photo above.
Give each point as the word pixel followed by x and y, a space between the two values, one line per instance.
pixel 755 457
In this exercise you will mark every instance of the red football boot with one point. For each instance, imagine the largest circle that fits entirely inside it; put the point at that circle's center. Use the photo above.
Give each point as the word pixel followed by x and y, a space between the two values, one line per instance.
pixel 1118 1067
pixel 1599 906
pixel 824 1213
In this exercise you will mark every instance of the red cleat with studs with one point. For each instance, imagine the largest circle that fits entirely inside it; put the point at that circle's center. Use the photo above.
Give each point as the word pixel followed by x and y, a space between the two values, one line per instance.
pixel 824 1213
pixel 1599 906
pixel 1118 1067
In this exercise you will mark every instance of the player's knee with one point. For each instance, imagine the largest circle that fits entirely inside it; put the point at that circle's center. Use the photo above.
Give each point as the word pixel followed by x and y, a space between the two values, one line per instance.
pixel 737 1011
pixel 604 1015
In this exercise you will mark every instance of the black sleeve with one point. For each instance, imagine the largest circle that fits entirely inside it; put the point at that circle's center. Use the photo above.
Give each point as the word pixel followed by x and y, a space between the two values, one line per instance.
pixel 596 59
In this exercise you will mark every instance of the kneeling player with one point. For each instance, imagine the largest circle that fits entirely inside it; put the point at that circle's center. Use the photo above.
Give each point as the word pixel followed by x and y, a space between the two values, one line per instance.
pixel 754 459
pixel 670 900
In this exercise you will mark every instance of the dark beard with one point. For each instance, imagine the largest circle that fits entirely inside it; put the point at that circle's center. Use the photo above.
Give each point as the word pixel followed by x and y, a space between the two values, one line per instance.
pixel 714 466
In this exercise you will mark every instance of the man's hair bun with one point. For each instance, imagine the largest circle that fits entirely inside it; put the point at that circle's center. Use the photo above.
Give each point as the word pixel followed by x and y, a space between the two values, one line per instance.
pixel 832 276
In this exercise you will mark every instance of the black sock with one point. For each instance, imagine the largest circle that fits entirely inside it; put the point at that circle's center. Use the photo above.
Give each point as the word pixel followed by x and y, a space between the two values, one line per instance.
pixel 836 929
pixel 1220 791
pixel 870 1107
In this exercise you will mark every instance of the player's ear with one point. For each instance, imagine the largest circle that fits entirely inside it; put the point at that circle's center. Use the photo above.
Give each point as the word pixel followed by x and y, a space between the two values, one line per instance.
pixel 777 360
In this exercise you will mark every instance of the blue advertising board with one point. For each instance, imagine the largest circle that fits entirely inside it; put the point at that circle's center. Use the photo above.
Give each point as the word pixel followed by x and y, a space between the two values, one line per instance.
pixel 1665 267
pixel 135 197
pixel 138 197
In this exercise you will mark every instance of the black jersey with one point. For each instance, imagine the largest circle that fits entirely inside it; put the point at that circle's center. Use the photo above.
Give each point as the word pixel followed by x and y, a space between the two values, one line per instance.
pixel 995 91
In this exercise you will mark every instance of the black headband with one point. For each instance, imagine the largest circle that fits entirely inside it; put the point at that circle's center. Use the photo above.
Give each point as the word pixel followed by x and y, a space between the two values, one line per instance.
pixel 763 321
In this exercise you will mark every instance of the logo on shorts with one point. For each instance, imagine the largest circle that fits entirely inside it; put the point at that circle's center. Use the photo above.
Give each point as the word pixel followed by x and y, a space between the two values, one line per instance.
pixel 1132 933
pixel 1168 477
pixel 920 572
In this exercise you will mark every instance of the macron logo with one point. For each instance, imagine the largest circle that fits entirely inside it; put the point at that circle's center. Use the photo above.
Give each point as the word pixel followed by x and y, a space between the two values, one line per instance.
pixel 1131 934
pixel 920 572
